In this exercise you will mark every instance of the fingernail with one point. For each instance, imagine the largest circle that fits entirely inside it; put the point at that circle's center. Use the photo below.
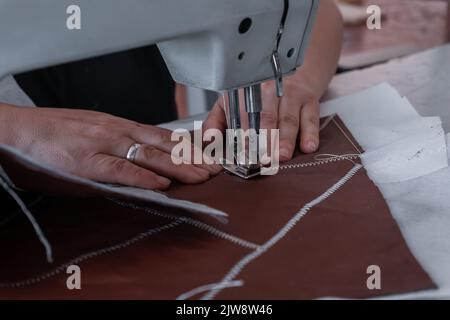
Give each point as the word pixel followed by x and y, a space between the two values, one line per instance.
pixel 216 169
pixel 311 146
pixel 284 154
pixel 201 172
pixel 164 181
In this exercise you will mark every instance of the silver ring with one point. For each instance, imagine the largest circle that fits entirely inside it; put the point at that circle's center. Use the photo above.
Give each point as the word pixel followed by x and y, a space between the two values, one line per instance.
pixel 131 154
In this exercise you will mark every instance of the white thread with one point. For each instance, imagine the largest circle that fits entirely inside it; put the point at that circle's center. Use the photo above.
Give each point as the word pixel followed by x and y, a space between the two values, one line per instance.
pixel 196 223
pixel 83 257
pixel 89 255
pixel 238 267
pixel 328 156
pixel 7 179
pixel 37 229
pixel 346 136
pixel 16 213
pixel 330 159
pixel 327 122
pixel 208 287
pixel 337 157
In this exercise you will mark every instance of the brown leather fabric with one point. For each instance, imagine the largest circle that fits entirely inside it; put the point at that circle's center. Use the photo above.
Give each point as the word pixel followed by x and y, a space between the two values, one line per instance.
pixel 325 254
pixel 32 176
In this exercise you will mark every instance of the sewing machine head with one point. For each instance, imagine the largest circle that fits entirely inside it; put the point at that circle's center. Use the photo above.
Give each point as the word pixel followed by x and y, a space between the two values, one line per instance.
pixel 260 58
pixel 268 44
pixel 240 43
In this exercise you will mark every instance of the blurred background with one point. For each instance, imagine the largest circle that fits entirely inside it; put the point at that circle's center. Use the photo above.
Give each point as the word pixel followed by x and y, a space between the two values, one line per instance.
pixel 408 26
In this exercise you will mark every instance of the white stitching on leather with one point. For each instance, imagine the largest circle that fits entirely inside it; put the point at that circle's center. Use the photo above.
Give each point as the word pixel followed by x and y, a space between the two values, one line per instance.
pixel 240 265
pixel 6 184
pixel 208 287
pixel 334 158
pixel 196 223
pixel 89 255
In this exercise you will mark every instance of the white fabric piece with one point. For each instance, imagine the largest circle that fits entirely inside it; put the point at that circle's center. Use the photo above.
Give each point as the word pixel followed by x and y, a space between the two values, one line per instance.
pixel 399 144
pixel 382 96
pixel 407 142
pixel 379 107
pixel 421 207
pixel 416 155
pixel 390 131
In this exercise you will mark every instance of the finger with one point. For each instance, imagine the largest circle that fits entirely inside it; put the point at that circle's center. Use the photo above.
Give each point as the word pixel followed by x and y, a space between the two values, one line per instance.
pixel 288 122
pixel 270 101
pixel 110 169
pixel 153 136
pixel 269 114
pixel 162 163
pixel 309 127
pixel 162 139
pixel 216 118
pixel 117 147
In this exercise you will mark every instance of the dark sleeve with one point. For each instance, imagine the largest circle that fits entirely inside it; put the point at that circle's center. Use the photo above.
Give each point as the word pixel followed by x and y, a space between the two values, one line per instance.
pixel 133 84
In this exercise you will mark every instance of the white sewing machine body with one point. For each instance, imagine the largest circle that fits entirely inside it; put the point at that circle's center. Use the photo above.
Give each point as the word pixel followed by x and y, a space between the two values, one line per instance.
pixel 215 45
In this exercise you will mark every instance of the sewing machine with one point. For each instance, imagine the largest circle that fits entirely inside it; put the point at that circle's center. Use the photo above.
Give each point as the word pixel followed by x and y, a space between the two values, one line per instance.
pixel 217 45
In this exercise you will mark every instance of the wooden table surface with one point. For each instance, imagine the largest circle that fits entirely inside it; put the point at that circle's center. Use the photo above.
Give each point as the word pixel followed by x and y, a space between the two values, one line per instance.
pixel 423 23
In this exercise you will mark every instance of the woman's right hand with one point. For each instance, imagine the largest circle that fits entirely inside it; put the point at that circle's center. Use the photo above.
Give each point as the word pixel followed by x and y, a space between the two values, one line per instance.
pixel 94 145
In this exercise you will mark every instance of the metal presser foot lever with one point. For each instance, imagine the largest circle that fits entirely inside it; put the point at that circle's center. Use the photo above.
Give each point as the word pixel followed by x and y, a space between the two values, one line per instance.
pixel 249 167
pixel 253 107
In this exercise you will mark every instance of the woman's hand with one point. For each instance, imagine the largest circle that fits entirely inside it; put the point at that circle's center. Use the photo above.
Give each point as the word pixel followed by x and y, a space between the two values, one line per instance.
pixel 94 145
pixel 296 114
